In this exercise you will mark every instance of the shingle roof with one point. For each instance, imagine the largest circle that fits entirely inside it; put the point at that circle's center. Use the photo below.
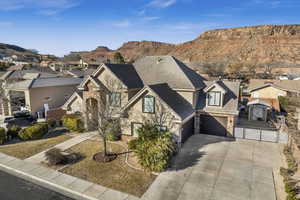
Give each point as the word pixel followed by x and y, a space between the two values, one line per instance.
pixel 44 82
pixel 52 82
pixel 167 69
pixel 174 100
pixel 231 98
pixel 289 85
pixel 127 74
pixel 27 74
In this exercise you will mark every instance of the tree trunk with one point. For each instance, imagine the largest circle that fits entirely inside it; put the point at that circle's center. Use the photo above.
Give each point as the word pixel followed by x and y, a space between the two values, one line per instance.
pixel 104 145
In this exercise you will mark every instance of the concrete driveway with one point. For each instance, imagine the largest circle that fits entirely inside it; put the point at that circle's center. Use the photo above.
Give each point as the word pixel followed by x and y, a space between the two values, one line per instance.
pixel 217 168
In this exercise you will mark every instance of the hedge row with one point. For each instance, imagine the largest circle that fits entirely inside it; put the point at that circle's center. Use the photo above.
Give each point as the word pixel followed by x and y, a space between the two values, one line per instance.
pixel 3 136
pixel 34 132
pixel 289 182
pixel 73 123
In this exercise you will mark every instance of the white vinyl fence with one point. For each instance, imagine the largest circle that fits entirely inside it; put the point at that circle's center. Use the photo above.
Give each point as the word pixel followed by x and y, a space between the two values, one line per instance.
pixel 261 135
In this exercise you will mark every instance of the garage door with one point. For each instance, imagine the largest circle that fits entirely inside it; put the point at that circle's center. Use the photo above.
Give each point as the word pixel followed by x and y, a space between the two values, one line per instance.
pixel 187 130
pixel 213 125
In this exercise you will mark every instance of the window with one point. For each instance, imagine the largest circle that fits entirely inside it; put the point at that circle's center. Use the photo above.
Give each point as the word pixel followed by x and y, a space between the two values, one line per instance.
pixel 149 104
pixel 162 129
pixel 214 99
pixel 114 99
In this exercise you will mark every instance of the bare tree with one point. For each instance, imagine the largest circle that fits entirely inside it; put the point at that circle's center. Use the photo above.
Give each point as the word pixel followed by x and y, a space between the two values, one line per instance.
pixel 106 111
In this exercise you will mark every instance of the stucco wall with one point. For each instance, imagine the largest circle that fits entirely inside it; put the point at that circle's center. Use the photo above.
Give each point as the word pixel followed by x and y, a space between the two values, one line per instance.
pixel 268 92
pixel 136 115
pixel 58 95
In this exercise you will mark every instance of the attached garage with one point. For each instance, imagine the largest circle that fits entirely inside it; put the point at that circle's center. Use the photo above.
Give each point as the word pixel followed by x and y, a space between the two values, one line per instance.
pixel 213 125
pixel 187 130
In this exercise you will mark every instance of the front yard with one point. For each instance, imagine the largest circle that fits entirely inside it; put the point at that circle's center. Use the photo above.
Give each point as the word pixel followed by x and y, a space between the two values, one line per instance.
pixel 116 174
pixel 27 149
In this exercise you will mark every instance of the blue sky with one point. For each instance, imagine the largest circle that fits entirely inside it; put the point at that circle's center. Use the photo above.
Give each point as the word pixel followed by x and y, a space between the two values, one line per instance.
pixel 60 26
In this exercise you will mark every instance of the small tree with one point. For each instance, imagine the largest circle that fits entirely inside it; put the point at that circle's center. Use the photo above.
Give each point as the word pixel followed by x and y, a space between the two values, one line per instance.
pixel 118 58
pixel 108 116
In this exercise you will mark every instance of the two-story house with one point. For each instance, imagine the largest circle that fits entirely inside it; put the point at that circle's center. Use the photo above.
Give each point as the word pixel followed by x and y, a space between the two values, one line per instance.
pixel 161 89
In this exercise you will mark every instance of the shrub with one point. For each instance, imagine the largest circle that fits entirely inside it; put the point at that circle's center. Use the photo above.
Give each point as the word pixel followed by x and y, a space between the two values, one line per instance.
pixel 51 123
pixel 73 123
pixel 34 132
pixel 283 102
pixel 13 131
pixel 55 156
pixel 3 136
pixel 154 149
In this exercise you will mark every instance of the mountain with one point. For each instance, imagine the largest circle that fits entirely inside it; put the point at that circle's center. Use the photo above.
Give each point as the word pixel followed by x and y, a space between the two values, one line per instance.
pixel 273 45
pixel 24 54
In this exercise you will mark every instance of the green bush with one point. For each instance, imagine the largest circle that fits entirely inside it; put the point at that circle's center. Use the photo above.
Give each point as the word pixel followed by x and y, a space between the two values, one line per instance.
pixel 51 123
pixel 13 131
pixel 153 149
pixel 3 136
pixel 34 132
pixel 283 102
pixel 73 123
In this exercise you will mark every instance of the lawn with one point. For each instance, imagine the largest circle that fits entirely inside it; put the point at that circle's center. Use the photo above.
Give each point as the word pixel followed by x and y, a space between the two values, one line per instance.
pixel 116 174
pixel 27 149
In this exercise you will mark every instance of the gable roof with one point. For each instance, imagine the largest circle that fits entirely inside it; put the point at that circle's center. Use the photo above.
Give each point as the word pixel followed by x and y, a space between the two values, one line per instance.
pixel 230 101
pixel 124 72
pixel 181 107
pixel 44 82
pixel 76 94
pixel 211 85
pixel 87 79
pixel 127 74
pixel 287 85
pixel 167 69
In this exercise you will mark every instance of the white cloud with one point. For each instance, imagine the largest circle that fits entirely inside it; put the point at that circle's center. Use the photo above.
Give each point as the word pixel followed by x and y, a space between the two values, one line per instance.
pixel 47 7
pixel 122 24
pixel 162 3
pixel 151 18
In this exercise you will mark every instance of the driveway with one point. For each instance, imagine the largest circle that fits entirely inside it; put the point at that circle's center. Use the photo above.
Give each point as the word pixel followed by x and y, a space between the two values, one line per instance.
pixel 217 168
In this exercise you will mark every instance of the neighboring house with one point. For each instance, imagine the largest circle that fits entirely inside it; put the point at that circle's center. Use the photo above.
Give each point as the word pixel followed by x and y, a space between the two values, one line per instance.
pixel 17 75
pixel 156 87
pixel 40 94
pixel 272 89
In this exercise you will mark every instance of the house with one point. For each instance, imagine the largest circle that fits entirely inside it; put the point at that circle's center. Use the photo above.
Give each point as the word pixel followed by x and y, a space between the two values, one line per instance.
pixel 19 75
pixel 272 89
pixel 40 94
pixel 159 89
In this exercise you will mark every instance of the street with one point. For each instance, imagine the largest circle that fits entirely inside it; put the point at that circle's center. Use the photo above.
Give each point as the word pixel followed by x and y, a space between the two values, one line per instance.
pixel 14 188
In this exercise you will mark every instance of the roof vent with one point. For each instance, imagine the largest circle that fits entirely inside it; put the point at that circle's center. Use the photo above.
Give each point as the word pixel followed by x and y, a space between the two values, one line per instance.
pixel 159 60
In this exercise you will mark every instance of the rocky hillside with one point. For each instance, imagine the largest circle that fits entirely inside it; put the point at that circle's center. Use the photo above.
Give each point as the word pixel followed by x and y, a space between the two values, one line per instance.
pixel 9 50
pixel 277 46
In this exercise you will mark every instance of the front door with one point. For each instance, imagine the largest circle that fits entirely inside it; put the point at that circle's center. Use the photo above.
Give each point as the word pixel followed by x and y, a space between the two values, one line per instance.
pixel 134 128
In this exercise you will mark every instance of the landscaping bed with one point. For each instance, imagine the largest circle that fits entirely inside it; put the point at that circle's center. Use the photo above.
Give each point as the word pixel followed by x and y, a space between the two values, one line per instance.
pixel 115 174
pixel 26 149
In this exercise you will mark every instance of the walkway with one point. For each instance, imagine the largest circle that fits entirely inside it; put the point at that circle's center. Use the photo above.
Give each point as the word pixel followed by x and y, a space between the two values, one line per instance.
pixel 38 158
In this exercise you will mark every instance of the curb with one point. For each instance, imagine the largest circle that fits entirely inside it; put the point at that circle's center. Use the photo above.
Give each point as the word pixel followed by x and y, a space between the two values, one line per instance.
pixel 59 189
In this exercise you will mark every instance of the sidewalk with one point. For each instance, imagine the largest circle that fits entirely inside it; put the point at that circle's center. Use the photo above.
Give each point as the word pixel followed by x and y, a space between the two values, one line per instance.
pixel 70 186
pixel 38 158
